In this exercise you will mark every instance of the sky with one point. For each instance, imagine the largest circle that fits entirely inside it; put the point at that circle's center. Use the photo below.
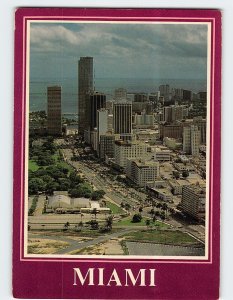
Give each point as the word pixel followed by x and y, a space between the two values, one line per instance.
pixel 167 51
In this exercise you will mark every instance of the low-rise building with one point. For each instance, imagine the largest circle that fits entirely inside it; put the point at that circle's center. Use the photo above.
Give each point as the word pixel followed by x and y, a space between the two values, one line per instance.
pixel 162 193
pixel 148 135
pixel 177 185
pixel 161 153
pixel 142 172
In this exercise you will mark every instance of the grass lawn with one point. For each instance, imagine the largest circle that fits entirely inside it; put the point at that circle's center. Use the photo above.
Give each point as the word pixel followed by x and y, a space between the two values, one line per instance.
pixel 162 237
pixel 127 222
pixel 114 208
pixel 33 166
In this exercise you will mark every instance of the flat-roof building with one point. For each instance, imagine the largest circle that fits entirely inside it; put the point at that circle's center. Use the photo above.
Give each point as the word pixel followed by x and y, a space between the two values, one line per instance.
pixel 142 172
pixel 54 124
pixel 193 201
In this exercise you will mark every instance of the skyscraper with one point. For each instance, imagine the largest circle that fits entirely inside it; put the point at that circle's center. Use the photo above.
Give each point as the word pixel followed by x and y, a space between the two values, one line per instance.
pixel 54 110
pixel 191 140
pixel 164 91
pixel 97 101
pixel 122 117
pixel 85 87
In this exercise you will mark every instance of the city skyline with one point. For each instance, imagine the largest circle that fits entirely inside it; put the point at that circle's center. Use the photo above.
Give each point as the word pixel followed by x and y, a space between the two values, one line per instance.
pixel 164 53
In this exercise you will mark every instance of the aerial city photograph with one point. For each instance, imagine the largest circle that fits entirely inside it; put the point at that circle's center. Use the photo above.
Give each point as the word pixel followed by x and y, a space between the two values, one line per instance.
pixel 117 140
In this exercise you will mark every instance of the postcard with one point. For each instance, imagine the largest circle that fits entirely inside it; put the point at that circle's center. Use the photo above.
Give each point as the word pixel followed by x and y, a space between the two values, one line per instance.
pixel 117 153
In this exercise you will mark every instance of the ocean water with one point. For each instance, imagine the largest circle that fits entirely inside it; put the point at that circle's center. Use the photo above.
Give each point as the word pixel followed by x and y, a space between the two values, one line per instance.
pixel 38 89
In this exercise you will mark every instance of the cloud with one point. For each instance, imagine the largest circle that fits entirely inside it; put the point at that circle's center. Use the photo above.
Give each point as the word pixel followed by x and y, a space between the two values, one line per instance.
pixel 131 49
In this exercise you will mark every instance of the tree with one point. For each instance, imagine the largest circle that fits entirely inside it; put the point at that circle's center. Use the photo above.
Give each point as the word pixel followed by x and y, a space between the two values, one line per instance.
pixel 147 222
pixel 75 178
pixel 152 211
pixel 94 212
pixel 79 226
pixel 66 226
pixel 164 208
pixel 185 173
pixel 94 224
pixel 136 218
pixel 64 184
pixel 51 187
pixel 172 211
pixel 176 174
pixel 97 195
pixel 109 221
pixel 73 193
pixel 35 185
pixel 158 205
pixel 82 190
pixel 162 215
pixel 127 206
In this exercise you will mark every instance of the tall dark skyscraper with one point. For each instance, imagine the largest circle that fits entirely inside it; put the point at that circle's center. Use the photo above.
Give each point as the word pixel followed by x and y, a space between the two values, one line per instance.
pixel 54 124
pixel 122 117
pixel 97 101
pixel 85 87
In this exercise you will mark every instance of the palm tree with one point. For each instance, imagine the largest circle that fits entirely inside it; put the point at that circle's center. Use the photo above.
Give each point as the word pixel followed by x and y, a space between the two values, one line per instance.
pixel 152 211
pixel 147 223
pixel 158 205
pixel 66 225
pixel 80 224
pixel 164 208
pixel 81 215
pixel 109 221
pixel 94 211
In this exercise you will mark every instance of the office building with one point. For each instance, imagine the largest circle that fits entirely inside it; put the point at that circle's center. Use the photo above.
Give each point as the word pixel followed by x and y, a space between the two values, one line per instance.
pixel 187 95
pixel 106 145
pixel 193 201
pixel 122 117
pixel 54 123
pixel 191 140
pixel 170 130
pixel 167 114
pixel 97 101
pixel 102 122
pixel 142 172
pixel 164 90
pixel 130 149
pixel 85 87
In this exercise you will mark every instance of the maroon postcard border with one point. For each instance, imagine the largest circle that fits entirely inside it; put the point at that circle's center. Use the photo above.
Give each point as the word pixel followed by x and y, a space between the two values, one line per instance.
pixel 54 279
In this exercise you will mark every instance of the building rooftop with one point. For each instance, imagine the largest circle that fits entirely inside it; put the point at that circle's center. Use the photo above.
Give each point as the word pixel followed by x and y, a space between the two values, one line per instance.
pixel 197 189
pixel 162 190
pixel 147 163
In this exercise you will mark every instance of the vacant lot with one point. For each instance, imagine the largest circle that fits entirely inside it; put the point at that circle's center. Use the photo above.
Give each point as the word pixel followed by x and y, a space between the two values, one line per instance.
pixel 162 237
pixel 41 246
pixel 137 248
